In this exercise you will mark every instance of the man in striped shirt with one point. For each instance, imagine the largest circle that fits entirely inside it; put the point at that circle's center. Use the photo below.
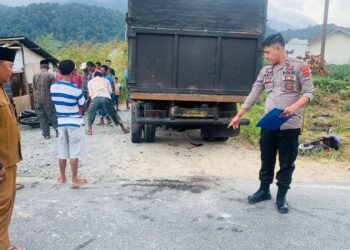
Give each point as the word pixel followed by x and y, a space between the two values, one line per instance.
pixel 69 100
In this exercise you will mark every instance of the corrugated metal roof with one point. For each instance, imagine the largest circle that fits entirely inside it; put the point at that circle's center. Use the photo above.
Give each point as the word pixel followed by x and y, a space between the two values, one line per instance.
pixel 30 45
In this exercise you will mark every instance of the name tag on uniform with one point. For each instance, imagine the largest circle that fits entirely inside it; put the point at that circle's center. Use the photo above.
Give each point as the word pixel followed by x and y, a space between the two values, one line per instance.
pixel 269 70
pixel 290 67
pixel 289 78
pixel 289 86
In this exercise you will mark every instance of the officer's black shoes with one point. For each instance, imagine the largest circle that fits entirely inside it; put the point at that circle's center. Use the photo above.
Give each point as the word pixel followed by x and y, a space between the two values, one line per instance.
pixel 264 194
pixel 282 205
pixel 260 195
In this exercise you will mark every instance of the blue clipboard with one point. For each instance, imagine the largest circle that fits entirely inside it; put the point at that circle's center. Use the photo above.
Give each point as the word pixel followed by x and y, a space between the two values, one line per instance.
pixel 271 120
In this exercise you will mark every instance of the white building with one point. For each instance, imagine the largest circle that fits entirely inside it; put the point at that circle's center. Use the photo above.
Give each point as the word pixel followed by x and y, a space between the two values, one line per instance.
pixel 296 47
pixel 27 64
pixel 337 46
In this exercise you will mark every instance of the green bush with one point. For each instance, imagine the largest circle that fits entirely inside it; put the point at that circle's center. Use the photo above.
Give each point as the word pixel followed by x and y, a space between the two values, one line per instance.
pixel 251 132
pixel 339 72
pixel 345 107
pixel 331 85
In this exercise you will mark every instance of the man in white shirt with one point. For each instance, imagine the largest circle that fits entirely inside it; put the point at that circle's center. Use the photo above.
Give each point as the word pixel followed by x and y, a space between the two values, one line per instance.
pixel 100 93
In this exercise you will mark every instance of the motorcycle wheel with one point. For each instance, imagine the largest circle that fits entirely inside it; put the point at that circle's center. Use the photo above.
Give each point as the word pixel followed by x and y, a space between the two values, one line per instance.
pixel 29 121
pixel 306 148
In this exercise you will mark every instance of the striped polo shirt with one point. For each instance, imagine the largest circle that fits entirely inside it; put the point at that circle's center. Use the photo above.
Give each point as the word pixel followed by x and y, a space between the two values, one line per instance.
pixel 67 99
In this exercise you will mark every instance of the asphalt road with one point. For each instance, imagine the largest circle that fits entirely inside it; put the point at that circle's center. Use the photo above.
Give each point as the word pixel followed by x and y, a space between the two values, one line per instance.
pixel 178 213
pixel 172 195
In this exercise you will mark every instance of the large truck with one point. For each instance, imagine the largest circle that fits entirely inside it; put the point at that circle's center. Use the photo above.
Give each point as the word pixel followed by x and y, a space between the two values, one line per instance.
pixel 190 62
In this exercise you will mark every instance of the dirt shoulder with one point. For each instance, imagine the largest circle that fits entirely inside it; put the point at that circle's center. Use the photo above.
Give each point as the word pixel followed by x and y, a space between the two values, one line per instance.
pixel 112 156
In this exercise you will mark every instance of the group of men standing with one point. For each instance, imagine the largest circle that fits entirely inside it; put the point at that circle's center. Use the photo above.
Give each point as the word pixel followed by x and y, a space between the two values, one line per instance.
pixel 45 109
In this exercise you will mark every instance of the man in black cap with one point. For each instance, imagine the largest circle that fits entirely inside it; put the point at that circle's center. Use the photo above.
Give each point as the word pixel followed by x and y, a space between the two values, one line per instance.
pixel 44 107
pixel 10 151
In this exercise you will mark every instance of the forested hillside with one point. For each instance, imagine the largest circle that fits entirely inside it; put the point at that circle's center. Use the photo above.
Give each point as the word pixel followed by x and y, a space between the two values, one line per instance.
pixel 67 22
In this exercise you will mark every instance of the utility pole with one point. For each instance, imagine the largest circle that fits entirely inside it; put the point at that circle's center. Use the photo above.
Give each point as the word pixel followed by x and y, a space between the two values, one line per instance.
pixel 324 33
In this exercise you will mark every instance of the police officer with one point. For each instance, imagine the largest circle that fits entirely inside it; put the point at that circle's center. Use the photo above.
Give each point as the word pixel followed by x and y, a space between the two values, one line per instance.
pixel 10 153
pixel 288 86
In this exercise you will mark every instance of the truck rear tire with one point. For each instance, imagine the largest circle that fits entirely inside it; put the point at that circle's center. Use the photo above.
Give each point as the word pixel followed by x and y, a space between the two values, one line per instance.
pixel 150 133
pixel 149 130
pixel 136 129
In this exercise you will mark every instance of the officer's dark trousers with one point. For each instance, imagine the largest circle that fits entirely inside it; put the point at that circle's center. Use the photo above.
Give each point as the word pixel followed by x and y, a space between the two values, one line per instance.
pixel 285 143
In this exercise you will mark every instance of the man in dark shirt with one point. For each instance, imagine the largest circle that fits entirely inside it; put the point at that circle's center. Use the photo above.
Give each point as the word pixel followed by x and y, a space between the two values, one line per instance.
pixel 44 107
pixel 18 88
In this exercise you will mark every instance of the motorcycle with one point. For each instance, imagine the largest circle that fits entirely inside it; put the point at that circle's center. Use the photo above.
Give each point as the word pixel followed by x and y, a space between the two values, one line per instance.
pixel 29 118
pixel 323 143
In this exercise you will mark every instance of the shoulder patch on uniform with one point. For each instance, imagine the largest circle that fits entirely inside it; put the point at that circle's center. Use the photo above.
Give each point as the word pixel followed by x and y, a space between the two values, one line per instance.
pixel 268 80
pixel 305 71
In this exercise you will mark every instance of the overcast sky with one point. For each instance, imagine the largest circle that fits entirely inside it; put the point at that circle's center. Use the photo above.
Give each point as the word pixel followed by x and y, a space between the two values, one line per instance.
pixel 298 13
pixel 301 13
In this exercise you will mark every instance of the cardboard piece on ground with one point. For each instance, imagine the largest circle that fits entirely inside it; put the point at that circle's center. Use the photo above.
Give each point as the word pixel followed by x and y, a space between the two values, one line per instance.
pixel 22 103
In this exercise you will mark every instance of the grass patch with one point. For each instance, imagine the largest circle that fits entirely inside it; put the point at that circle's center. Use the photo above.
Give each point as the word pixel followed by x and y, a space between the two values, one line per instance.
pixel 250 132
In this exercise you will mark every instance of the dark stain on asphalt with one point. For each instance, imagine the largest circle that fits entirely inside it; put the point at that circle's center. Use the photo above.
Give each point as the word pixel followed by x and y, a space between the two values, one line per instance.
pixel 340 213
pixel 145 217
pixel 306 213
pixel 143 180
pixel 210 216
pixel 192 186
pixel 321 218
pixel 140 197
pixel 255 208
pixel 239 200
pixel 236 230
pixel 85 244
pixel 34 184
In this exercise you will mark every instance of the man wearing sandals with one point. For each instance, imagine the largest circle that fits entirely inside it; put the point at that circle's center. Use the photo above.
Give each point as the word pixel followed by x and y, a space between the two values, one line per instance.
pixel 69 100
pixel 10 153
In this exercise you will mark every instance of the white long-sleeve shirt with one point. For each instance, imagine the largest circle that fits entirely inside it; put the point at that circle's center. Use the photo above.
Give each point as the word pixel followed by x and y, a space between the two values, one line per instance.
pixel 99 87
